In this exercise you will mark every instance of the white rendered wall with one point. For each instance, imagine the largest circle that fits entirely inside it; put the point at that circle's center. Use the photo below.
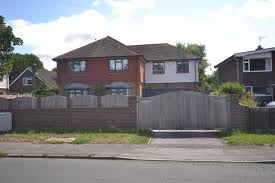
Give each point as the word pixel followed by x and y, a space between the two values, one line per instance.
pixel 5 83
pixel 171 75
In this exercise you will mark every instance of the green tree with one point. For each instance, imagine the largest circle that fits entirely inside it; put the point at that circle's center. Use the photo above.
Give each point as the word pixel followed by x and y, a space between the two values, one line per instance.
pixel 21 61
pixel 200 51
pixel 7 43
pixel 54 69
pixel 44 90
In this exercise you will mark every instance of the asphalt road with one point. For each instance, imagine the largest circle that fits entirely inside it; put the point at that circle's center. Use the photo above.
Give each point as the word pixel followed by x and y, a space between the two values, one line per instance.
pixel 67 171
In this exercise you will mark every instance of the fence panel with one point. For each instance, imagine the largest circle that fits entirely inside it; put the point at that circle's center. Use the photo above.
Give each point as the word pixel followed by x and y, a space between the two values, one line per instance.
pixel 4 103
pixel 184 110
pixel 84 101
pixel 109 101
pixel 24 103
pixel 54 102
pixel 262 118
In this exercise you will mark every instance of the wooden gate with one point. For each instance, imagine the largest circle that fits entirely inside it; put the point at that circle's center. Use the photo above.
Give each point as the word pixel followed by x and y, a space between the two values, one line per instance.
pixel 183 110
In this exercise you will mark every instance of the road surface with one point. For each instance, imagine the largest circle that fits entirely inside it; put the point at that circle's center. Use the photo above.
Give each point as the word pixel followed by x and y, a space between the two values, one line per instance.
pixel 119 171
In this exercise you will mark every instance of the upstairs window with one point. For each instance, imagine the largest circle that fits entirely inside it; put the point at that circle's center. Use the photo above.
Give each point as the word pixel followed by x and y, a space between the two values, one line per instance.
pixel 118 65
pixel 77 66
pixel 257 65
pixel 182 67
pixel 27 81
pixel 158 68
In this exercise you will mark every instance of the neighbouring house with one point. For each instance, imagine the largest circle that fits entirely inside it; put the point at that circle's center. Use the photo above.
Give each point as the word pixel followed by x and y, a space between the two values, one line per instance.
pixel 24 84
pixel 138 70
pixel 254 69
pixel 4 85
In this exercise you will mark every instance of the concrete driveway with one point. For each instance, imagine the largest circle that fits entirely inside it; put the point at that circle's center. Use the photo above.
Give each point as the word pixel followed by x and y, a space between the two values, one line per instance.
pixel 187 138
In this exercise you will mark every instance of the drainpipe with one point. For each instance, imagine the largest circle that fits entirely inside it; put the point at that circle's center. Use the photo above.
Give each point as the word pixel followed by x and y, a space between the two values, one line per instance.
pixel 195 73
pixel 33 76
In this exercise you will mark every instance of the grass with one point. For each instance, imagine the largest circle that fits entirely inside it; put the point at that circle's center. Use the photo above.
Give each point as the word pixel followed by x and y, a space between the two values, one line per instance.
pixel 2 154
pixel 109 136
pixel 238 137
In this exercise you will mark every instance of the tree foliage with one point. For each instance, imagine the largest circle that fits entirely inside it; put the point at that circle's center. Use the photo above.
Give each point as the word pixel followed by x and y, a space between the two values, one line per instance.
pixel 200 51
pixel 7 43
pixel 21 61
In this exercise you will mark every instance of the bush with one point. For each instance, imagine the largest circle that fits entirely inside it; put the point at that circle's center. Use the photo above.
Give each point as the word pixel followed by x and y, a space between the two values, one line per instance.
pixel 44 91
pixel 249 100
pixel 229 88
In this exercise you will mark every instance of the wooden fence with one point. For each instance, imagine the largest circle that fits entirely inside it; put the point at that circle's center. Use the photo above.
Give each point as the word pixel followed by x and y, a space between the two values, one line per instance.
pixel 261 118
pixel 184 110
pixel 61 102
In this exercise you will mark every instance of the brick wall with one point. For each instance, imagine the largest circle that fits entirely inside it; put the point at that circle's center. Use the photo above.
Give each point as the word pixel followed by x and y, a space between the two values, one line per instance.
pixel 125 117
pixel 239 114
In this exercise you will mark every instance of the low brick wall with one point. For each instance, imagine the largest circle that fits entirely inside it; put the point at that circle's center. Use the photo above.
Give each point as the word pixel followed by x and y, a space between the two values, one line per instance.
pixel 124 117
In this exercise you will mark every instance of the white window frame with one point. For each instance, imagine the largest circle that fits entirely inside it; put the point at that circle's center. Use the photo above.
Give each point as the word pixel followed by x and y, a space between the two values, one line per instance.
pixel 248 61
pixel 257 95
pixel 251 88
pixel 25 81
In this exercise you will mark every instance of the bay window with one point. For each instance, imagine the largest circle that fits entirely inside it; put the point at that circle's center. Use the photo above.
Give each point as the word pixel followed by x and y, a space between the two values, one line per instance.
pixel 77 92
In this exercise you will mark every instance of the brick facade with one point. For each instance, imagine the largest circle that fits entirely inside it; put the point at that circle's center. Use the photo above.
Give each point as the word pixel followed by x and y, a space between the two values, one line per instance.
pixel 97 72
pixel 125 118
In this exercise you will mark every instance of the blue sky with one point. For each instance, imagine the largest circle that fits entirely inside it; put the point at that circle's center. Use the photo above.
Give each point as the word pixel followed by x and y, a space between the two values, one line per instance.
pixel 52 27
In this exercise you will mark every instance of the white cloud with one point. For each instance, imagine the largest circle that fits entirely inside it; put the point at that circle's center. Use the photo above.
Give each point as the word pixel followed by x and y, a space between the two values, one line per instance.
pixel 223 31
pixel 262 9
pixel 122 7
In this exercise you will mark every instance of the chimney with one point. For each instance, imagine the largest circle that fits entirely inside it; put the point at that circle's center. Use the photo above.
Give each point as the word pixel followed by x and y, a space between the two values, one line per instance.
pixel 33 76
pixel 259 47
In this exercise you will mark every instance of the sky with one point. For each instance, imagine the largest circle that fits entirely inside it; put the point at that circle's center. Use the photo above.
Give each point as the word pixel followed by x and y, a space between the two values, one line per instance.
pixel 53 27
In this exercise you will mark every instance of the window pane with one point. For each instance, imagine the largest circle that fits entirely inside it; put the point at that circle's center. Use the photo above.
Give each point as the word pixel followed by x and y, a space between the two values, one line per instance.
pixel 257 64
pixel 82 66
pixel 112 65
pixel 85 92
pixel 76 67
pixel 70 64
pixel 246 66
pixel 158 68
pixel 183 67
pixel 268 64
pixel 125 64
pixel 118 65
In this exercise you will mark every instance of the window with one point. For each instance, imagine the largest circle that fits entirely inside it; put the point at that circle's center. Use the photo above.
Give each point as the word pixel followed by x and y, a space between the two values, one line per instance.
pixel 27 81
pixel 183 67
pixel 77 66
pixel 248 89
pixel 158 68
pixel 78 92
pixel 121 91
pixel 118 65
pixel 262 91
pixel 257 65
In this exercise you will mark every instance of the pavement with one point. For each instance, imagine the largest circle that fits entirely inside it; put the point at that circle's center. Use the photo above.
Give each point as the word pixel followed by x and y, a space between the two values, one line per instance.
pixel 160 152
pixel 120 171
pixel 198 146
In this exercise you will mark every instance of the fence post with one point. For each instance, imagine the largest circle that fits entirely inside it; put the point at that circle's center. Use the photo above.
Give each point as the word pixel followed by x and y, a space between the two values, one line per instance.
pixel 39 103
pixel 69 103
pixel 10 104
pixel 98 101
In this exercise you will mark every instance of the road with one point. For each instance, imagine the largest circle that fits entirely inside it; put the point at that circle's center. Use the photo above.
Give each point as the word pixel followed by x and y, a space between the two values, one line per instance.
pixel 119 171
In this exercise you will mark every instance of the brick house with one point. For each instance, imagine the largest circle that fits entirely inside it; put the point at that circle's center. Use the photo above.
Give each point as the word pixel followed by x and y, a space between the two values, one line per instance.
pixel 254 69
pixel 136 70
pixel 23 83
pixel 4 85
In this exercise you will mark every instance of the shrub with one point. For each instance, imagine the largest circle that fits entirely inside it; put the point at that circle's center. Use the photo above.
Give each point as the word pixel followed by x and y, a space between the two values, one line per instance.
pixel 44 90
pixel 249 100
pixel 232 89
pixel 229 88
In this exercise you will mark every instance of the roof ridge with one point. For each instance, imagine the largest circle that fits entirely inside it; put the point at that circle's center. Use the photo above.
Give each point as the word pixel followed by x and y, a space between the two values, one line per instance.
pixel 122 44
pixel 148 44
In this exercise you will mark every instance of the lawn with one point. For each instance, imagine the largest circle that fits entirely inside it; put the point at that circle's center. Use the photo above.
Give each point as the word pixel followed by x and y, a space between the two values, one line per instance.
pixel 249 138
pixel 78 136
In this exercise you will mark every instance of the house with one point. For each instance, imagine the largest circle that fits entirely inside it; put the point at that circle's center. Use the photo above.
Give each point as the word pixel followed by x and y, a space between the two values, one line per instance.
pixel 24 81
pixel 254 69
pixel 138 70
pixel 4 85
